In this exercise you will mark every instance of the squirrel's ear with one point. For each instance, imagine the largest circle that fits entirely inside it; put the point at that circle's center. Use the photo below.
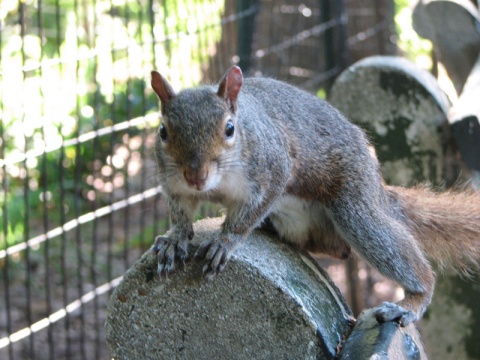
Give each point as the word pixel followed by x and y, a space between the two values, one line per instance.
pixel 163 89
pixel 230 86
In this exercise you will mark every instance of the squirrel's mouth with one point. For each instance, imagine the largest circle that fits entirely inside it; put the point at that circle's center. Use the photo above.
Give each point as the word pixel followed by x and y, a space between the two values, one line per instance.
pixel 196 178
pixel 198 186
pixel 210 184
pixel 201 178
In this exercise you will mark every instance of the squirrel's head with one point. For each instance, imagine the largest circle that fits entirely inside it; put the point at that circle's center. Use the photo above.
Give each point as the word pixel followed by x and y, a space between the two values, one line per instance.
pixel 198 134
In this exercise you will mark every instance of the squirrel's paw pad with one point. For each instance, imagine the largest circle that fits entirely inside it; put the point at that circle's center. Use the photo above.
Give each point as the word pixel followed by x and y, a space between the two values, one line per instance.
pixel 166 251
pixel 392 312
pixel 216 253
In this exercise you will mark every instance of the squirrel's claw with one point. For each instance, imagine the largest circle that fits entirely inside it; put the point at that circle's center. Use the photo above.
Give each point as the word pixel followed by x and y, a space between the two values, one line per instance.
pixel 216 253
pixel 392 312
pixel 167 250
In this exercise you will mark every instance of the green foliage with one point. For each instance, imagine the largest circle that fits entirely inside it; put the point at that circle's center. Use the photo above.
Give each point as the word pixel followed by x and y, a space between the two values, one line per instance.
pixel 322 93
pixel 75 67
pixel 415 48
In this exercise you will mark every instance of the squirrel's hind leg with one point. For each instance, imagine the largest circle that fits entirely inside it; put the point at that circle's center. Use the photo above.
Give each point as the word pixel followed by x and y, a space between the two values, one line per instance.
pixel 387 244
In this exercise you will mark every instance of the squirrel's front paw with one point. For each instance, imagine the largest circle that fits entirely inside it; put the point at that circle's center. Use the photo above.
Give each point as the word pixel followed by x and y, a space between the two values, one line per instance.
pixel 392 312
pixel 216 253
pixel 167 250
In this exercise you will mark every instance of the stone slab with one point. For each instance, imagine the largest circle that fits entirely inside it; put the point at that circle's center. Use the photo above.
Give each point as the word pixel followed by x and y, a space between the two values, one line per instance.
pixel 370 340
pixel 272 302
pixel 453 26
pixel 404 112
pixel 450 326
pixel 465 119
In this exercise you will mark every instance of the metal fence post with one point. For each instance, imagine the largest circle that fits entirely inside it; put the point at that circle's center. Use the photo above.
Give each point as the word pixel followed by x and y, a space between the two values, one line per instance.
pixel 246 28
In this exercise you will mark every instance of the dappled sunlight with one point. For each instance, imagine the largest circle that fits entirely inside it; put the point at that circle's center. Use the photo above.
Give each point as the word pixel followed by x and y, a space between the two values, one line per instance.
pixel 76 107
pixel 79 195
pixel 47 86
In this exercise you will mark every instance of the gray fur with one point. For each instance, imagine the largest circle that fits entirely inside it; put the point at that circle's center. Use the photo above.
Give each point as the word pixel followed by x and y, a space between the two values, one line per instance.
pixel 294 158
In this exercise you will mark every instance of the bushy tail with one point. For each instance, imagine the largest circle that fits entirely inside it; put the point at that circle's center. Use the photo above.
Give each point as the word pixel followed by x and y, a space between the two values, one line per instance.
pixel 446 225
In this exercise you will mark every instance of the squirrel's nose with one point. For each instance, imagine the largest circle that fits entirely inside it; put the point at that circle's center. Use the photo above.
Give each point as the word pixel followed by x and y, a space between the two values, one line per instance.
pixel 196 177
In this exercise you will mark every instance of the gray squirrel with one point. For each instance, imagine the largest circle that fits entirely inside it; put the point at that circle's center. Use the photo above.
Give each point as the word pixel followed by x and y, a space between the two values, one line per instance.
pixel 263 148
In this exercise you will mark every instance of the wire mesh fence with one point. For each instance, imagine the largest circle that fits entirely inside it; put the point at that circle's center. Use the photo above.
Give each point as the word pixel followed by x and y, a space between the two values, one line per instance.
pixel 79 200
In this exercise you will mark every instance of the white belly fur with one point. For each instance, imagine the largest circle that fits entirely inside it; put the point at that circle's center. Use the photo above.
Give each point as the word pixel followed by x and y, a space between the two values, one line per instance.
pixel 308 225
pixel 296 220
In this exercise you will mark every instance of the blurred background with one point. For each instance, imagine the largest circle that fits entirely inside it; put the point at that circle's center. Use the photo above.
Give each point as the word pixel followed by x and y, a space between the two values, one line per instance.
pixel 79 200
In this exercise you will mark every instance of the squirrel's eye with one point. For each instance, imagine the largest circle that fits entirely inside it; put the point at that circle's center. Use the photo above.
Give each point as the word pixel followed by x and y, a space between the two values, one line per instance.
pixel 163 133
pixel 229 129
